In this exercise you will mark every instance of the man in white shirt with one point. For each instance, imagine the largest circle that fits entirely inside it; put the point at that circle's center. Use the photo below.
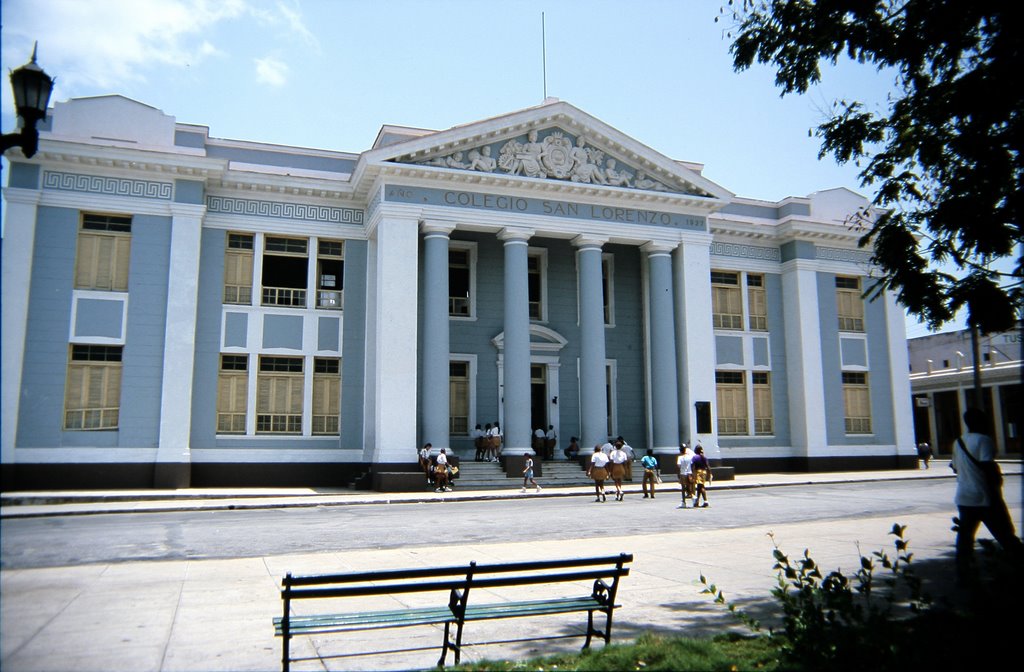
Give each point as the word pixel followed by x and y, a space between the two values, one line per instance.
pixel 979 494
pixel 684 463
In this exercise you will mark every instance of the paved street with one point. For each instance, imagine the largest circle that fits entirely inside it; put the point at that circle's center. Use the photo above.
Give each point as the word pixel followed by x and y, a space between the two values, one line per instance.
pixel 199 610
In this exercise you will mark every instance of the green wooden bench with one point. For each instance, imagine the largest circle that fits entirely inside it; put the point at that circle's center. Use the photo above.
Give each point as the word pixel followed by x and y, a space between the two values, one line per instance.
pixel 455 585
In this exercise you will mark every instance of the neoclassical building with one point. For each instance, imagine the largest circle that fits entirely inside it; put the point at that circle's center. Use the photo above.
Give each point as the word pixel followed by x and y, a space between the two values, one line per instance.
pixel 184 309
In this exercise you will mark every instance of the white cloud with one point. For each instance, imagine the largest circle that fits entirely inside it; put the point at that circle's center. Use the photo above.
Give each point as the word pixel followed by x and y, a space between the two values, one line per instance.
pixel 271 71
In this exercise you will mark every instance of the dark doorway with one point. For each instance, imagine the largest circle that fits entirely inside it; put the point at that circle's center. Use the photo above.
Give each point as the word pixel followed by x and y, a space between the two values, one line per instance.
pixel 538 396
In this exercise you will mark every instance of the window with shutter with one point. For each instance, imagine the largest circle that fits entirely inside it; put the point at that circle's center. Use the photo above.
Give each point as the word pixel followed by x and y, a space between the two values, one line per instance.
pixel 92 394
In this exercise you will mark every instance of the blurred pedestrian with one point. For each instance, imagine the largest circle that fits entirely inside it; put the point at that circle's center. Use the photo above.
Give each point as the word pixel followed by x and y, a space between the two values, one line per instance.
pixel 599 472
pixel 684 464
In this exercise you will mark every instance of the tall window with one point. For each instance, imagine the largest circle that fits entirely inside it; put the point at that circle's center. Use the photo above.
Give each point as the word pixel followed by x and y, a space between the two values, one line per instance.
pixel 856 402
pixel 279 396
pixel 232 394
pixel 608 287
pixel 458 395
pixel 849 303
pixel 92 395
pixel 238 269
pixel 326 395
pixel 330 271
pixel 459 282
pixel 535 285
pixel 285 262
pixel 726 300
pixel 757 304
pixel 763 425
pixel 731 394
pixel 104 250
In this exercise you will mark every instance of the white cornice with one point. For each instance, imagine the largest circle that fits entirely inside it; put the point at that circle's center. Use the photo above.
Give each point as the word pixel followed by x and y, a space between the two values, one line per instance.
pixel 68 154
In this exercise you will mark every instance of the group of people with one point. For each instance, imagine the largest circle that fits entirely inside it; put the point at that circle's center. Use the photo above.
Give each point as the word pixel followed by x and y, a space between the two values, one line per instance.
pixel 487 442
pixel 694 475
pixel 610 460
pixel 438 470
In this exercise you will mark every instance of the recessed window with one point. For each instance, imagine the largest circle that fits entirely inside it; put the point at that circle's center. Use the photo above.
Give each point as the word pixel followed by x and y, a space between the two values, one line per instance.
pixel 238 258
pixel 726 300
pixel 232 394
pixel 849 304
pixel 459 282
pixel 92 395
pixel 856 402
pixel 458 395
pixel 763 416
pixel 279 395
pixel 731 395
pixel 103 253
pixel 330 274
pixel 326 395
pixel 285 277
pixel 757 303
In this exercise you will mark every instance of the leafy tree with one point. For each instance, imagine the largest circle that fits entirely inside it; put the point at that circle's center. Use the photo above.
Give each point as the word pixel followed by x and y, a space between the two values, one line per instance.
pixel 945 155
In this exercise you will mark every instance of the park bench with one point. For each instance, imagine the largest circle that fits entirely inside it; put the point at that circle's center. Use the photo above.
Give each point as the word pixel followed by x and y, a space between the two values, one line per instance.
pixel 457 588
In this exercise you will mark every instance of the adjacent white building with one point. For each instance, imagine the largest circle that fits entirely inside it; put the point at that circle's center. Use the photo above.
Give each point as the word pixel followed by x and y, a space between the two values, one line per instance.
pixel 184 309
pixel 942 384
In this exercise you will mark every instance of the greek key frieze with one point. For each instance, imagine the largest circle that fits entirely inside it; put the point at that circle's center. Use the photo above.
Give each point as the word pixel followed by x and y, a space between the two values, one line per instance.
pixel 746 251
pixel 111 186
pixel 279 210
pixel 840 254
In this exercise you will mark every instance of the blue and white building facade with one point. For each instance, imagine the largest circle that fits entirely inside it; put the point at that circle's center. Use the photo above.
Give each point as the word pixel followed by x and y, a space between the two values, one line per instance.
pixel 182 309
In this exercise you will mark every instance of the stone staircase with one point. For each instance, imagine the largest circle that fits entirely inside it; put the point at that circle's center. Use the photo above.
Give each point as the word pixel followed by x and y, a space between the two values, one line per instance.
pixel 489 476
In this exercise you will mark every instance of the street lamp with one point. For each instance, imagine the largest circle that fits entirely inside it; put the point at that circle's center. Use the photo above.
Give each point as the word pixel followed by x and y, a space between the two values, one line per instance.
pixel 32 88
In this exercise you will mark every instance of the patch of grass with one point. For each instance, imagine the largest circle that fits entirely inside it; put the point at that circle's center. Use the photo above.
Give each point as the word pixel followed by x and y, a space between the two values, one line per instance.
pixel 727 653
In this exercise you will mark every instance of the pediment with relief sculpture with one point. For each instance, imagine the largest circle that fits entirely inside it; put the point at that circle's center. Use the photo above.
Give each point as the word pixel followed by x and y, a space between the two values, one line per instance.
pixel 554 141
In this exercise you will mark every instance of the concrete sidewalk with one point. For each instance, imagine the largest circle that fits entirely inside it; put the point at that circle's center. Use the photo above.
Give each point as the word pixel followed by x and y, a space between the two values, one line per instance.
pixel 200 615
pixel 65 503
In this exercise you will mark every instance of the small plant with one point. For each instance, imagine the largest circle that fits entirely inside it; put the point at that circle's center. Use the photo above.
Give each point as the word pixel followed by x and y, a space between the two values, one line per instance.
pixel 837 622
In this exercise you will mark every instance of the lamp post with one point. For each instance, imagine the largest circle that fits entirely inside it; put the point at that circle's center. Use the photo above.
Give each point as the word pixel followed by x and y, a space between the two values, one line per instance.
pixel 32 89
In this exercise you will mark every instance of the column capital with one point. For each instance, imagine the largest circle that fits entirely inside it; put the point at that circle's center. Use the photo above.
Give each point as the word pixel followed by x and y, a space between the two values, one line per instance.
pixel 653 248
pixel 585 240
pixel 513 234
pixel 436 227
pixel 187 210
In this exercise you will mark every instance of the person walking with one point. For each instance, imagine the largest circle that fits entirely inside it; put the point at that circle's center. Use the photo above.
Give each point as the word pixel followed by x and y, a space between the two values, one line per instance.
pixel 618 458
pixel 650 465
pixel 480 443
pixel 701 475
pixel 599 472
pixel 979 494
pixel 924 453
pixel 425 465
pixel 630 457
pixel 441 473
pixel 684 464
pixel 528 474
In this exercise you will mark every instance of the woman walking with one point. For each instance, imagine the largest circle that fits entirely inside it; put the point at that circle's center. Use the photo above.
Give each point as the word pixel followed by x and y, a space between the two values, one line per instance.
pixel 599 472
pixel 618 457
pixel 701 475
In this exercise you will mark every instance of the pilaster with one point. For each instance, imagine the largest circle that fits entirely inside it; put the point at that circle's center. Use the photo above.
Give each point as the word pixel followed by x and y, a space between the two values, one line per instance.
pixel 805 386
pixel 173 455
pixel 18 248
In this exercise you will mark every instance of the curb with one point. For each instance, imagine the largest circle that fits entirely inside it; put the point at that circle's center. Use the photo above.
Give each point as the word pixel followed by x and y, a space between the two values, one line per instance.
pixel 13 507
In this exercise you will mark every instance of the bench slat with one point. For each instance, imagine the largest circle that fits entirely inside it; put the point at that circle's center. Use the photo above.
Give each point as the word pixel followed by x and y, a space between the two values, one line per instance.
pixel 364 621
pixel 482 612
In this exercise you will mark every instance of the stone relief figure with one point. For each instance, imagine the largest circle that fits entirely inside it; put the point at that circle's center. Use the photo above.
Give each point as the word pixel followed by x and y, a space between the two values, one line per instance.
pixel 519 158
pixel 617 178
pixel 643 182
pixel 587 168
pixel 481 160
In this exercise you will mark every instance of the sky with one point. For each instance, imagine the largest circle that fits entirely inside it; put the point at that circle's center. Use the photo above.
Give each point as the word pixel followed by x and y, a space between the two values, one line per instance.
pixel 329 73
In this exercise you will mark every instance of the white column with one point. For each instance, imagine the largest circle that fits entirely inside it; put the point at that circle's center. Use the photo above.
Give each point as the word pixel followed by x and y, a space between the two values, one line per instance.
pixel 517 432
pixel 899 378
pixel 173 453
pixel 18 246
pixel 664 374
pixel 593 376
pixel 392 325
pixel 805 387
pixel 695 338
pixel 435 395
